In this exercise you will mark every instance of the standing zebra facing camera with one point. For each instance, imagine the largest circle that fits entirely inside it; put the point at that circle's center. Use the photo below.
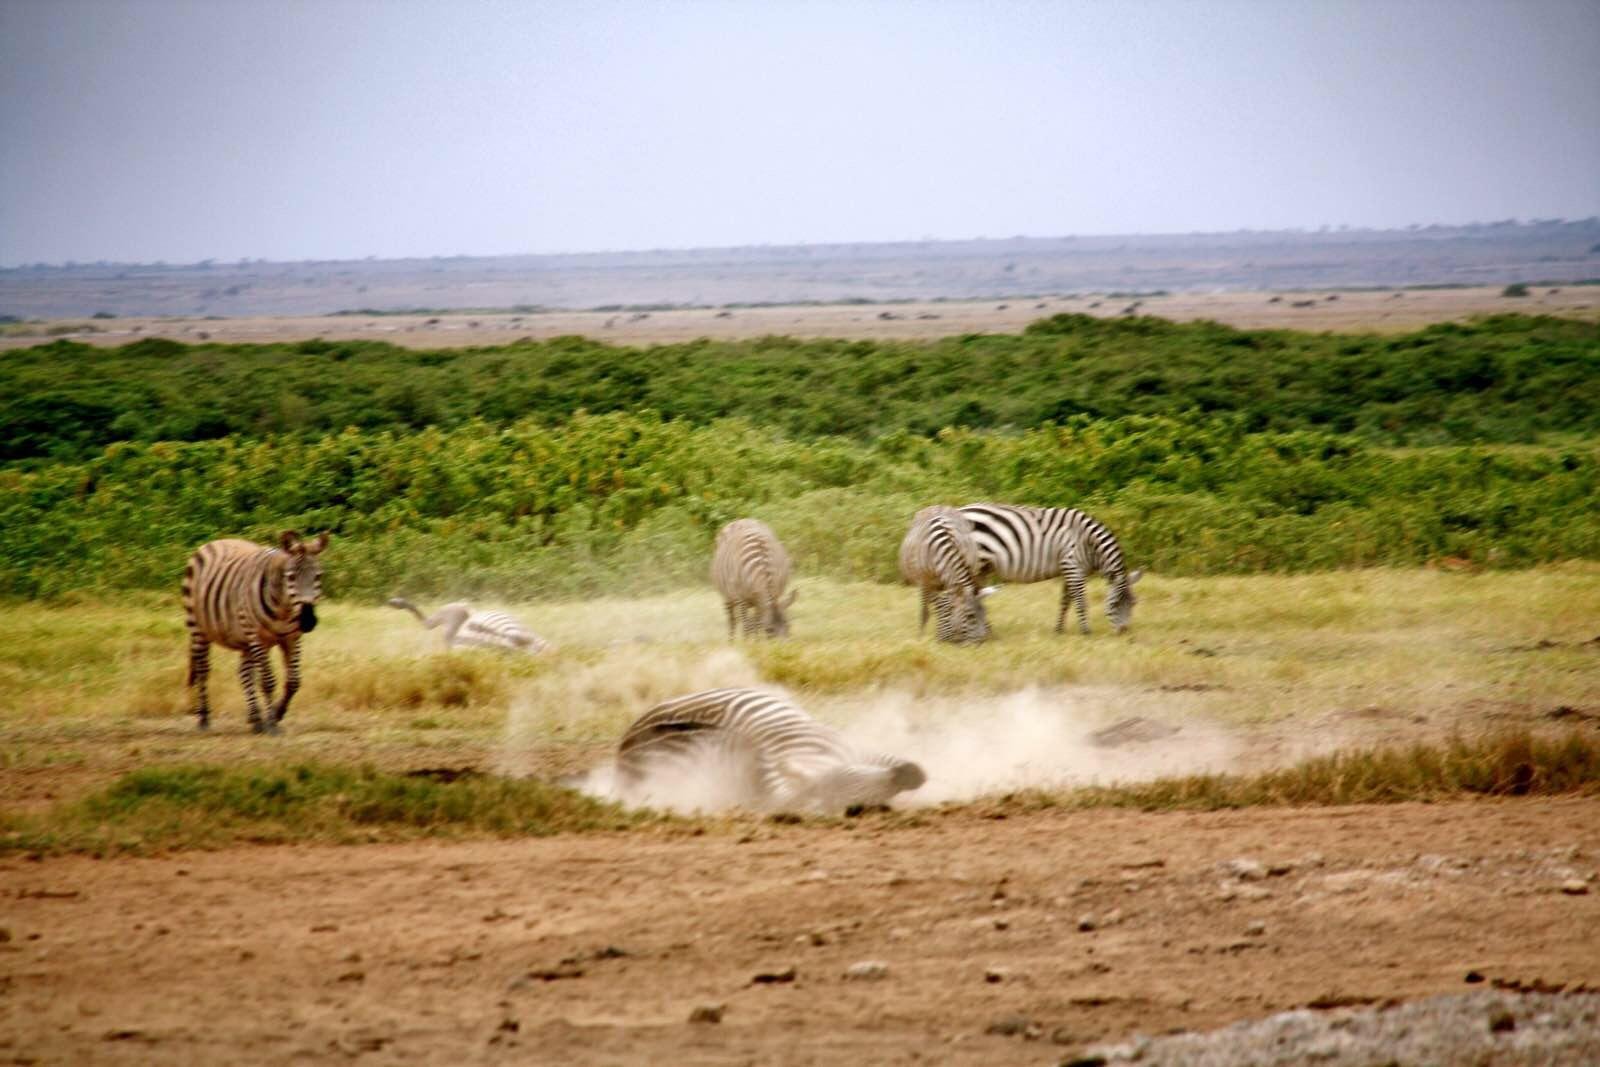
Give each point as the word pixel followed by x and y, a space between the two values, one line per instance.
pixel 749 567
pixel 770 754
pixel 250 598
pixel 1029 544
pixel 476 629
pixel 940 557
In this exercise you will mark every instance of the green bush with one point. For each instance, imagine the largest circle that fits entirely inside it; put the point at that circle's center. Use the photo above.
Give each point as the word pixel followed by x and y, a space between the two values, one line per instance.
pixel 1507 378
pixel 631 502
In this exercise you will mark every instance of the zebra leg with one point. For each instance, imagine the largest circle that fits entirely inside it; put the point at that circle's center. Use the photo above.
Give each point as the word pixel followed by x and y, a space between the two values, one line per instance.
pixel 922 619
pixel 1072 593
pixel 269 684
pixel 733 617
pixel 199 668
pixel 291 681
pixel 249 670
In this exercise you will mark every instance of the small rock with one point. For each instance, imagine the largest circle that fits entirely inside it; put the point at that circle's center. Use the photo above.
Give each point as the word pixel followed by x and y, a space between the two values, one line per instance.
pixel 1086 923
pixel 707 1013
pixel 1061 1035
pixel 1502 1022
pixel 899 933
pixel 775 977
pixel 1112 917
pixel 1002 924
pixel 867 971
pixel 1245 869
pixel 995 975
pixel 1575 887
pixel 1474 977
pixel 1013 1026
pixel 1255 929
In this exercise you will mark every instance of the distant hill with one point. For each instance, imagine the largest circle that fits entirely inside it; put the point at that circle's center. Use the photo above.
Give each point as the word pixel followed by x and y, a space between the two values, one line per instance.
pixel 1490 253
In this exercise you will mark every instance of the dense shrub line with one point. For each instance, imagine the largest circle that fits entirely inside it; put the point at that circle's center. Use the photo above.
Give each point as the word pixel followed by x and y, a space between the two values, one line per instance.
pixel 1507 378
pixel 631 501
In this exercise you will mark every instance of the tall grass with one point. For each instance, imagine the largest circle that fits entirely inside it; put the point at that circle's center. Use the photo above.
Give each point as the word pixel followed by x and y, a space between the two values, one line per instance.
pixel 1505 763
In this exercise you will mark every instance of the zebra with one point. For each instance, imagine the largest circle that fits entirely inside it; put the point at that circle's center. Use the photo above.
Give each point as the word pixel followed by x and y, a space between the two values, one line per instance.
pixel 750 568
pixel 250 597
pixel 779 758
pixel 940 557
pixel 476 629
pixel 1032 544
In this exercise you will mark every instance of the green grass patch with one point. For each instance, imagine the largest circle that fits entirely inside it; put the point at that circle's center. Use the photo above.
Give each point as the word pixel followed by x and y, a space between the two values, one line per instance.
pixel 189 806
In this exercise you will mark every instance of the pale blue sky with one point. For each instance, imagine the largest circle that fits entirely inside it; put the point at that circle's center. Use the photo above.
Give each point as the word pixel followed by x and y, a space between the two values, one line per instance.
pixel 179 130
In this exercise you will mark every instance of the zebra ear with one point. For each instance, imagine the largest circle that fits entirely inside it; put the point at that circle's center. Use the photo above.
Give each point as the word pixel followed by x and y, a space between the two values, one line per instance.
pixel 1134 576
pixel 289 540
pixel 319 544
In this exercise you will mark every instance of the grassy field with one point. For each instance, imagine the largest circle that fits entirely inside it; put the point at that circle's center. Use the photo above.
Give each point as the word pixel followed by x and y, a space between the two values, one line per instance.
pixel 1255 673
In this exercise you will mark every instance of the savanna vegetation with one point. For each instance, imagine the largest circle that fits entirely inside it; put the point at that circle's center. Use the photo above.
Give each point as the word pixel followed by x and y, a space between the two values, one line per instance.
pixel 1504 379
pixel 1259 475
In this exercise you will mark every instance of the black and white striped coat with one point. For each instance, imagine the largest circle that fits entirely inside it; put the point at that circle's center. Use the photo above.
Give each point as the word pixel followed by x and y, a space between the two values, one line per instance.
pixel 1032 544
pixel 750 568
pixel 776 757
pixel 250 598
pixel 939 556
pixel 465 628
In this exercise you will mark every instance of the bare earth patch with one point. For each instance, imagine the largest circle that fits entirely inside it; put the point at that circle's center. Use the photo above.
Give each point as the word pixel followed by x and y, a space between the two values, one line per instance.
pixel 1012 941
pixel 1386 311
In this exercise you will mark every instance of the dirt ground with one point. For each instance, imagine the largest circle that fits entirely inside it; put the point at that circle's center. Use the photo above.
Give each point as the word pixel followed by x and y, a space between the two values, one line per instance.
pixel 1386 311
pixel 597 949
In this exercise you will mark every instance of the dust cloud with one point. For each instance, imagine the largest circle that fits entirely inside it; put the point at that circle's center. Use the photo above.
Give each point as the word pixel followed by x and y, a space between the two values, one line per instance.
pixel 1057 737
pixel 969 745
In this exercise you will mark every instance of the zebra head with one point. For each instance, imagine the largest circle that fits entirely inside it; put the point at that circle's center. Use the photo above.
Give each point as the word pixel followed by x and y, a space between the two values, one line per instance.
pixel 961 615
pixel 775 614
pixel 868 782
pixel 1120 601
pixel 302 575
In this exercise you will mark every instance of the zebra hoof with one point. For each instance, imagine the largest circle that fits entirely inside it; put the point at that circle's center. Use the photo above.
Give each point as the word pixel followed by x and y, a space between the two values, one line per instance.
pixel 204 725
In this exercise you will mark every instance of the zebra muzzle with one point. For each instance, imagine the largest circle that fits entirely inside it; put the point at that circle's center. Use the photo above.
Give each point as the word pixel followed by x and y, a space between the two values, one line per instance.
pixel 308 618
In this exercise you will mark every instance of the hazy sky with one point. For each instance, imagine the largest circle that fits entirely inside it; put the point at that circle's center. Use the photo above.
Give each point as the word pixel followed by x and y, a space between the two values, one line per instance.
pixel 175 130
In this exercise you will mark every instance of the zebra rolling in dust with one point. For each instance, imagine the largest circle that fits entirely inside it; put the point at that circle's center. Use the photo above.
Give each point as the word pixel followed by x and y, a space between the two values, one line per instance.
pixel 1029 544
pixel 249 598
pixel 466 628
pixel 940 558
pixel 750 568
pixel 753 750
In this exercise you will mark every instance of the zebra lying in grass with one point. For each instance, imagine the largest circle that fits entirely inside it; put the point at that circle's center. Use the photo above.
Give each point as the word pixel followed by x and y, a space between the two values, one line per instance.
pixel 775 757
pixel 465 628
pixel 249 598
pixel 750 568
pixel 940 558
pixel 1029 544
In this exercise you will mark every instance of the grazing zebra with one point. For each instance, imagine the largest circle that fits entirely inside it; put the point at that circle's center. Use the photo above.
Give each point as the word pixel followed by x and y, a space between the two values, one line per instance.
pixel 750 569
pixel 476 629
pixel 778 757
pixel 940 558
pixel 250 597
pixel 1028 544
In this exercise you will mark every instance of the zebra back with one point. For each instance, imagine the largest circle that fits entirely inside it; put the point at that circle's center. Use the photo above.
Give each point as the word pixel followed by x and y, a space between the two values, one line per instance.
pixel 1035 544
pixel 777 756
pixel 750 568
pixel 235 594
